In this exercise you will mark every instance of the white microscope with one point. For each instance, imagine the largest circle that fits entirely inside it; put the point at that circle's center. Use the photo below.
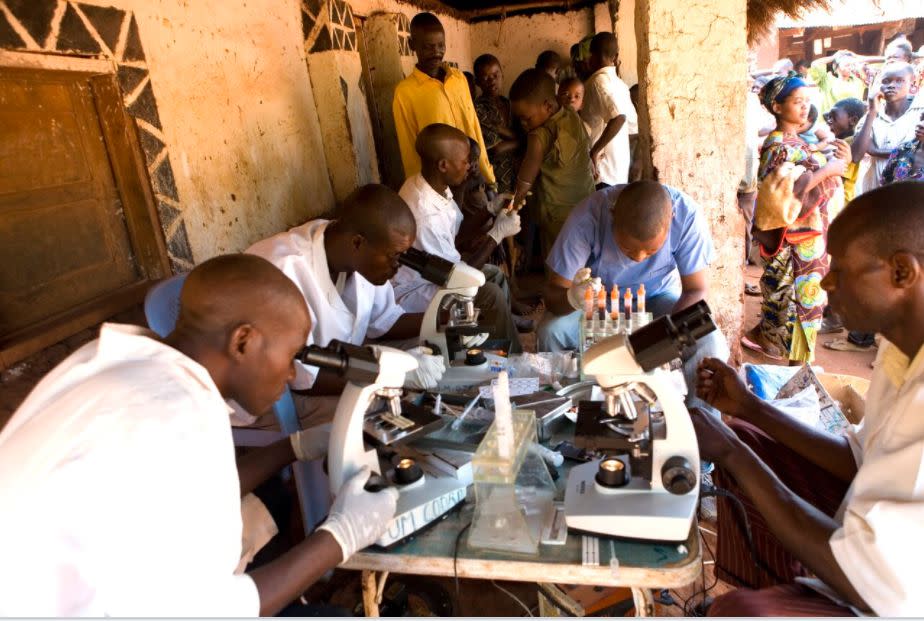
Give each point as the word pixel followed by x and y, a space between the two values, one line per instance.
pixel 647 486
pixel 450 323
pixel 374 379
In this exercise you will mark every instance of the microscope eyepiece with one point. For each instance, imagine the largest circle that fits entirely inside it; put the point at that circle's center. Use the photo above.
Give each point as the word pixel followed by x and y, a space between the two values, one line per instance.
pixel 665 338
pixel 353 362
pixel 433 268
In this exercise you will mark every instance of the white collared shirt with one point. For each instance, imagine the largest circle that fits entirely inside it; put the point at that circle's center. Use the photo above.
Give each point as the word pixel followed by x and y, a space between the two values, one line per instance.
pixel 356 311
pixel 606 97
pixel 438 220
pixel 887 134
pixel 880 544
pixel 119 489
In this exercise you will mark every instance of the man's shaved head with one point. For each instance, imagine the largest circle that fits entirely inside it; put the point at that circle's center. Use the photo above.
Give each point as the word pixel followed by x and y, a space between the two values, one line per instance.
pixel 886 220
pixel 374 211
pixel 243 320
pixel 372 228
pixel 876 279
pixel 224 292
pixel 604 46
pixel 439 141
pixel 641 219
pixel 642 210
pixel 533 86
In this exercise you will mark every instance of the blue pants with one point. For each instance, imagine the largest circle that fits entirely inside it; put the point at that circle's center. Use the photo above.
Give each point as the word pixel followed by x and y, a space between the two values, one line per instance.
pixel 562 333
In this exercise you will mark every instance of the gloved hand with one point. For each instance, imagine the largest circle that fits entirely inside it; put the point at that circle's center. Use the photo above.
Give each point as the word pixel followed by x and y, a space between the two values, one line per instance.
pixel 579 285
pixel 429 369
pixel 506 224
pixel 499 203
pixel 310 444
pixel 473 340
pixel 358 518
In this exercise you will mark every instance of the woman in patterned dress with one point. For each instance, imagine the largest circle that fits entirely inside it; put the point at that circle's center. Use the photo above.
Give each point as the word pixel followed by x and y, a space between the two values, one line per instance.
pixel 796 256
pixel 496 120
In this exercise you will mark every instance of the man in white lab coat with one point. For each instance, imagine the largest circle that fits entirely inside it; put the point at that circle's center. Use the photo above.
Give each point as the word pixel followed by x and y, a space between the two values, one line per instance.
pixel 342 267
pixel 118 482
pixel 444 152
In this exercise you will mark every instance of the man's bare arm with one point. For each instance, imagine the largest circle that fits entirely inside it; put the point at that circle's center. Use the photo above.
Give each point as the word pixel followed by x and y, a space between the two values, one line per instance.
pixel 407 327
pixel 694 288
pixel 281 581
pixel 259 464
pixel 556 295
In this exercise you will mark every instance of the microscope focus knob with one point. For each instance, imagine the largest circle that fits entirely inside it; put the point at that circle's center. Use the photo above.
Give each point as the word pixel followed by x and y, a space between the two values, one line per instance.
pixel 677 475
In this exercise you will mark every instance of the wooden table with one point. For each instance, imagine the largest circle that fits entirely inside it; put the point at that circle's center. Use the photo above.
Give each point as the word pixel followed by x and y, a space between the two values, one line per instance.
pixel 641 566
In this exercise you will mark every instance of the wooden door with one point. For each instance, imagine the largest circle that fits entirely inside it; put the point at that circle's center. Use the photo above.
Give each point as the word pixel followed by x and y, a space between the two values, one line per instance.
pixel 67 252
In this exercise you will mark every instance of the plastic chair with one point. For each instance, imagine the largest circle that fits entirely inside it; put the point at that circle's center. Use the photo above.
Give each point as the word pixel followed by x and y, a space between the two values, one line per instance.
pixel 161 310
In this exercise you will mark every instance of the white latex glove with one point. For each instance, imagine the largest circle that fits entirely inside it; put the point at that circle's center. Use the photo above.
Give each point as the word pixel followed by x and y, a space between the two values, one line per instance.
pixel 310 444
pixel 579 285
pixel 506 224
pixel 429 369
pixel 473 340
pixel 499 202
pixel 358 518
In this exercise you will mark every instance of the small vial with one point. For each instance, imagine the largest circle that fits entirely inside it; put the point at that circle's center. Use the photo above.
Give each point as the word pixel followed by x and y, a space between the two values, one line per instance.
pixel 640 303
pixel 627 303
pixel 614 303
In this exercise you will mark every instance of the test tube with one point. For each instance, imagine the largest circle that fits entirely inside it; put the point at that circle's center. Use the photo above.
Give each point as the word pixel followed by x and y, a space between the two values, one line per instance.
pixel 601 304
pixel 627 303
pixel 588 303
pixel 614 303
pixel 640 303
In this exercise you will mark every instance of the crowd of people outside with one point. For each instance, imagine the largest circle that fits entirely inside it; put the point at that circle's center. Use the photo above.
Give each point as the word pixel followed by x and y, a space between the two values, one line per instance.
pixel 824 132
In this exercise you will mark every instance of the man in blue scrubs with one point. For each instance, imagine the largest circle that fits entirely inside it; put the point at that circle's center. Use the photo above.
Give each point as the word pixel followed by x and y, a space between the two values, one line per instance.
pixel 640 233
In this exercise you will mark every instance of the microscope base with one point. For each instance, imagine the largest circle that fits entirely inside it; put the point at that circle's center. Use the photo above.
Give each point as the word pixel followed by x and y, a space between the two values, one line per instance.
pixel 459 375
pixel 420 506
pixel 636 511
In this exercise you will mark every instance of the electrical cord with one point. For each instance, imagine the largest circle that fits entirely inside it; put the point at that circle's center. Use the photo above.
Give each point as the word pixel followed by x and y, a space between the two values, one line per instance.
pixel 455 559
pixel 455 573
pixel 513 597
pixel 746 526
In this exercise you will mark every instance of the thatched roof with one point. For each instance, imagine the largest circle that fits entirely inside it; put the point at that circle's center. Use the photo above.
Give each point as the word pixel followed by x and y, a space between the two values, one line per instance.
pixel 762 14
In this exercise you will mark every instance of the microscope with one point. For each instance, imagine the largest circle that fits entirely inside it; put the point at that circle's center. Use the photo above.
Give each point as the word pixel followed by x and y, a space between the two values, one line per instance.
pixel 647 485
pixel 451 316
pixel 373 393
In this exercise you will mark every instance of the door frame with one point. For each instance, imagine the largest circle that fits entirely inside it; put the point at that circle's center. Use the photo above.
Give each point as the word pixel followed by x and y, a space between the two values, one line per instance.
pixel 133 183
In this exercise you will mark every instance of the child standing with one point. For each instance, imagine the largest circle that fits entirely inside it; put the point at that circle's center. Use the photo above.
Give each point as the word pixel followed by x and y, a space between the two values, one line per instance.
pixel 608 113
pixel 889 122
pixel 556 146
pixel 843 119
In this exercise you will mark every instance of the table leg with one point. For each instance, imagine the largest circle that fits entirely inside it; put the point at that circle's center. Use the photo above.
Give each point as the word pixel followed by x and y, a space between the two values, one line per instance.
pixel 370 590
pixel 644 602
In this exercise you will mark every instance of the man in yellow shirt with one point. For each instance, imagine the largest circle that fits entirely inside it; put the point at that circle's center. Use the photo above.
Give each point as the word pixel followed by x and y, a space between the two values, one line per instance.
pixel 433 93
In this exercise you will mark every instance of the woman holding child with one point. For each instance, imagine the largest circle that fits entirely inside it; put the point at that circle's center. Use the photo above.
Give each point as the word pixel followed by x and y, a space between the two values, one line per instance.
pixel 796 255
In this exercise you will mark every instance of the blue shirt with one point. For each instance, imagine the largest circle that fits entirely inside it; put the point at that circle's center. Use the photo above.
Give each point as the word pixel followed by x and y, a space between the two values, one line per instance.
pixel 587 241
